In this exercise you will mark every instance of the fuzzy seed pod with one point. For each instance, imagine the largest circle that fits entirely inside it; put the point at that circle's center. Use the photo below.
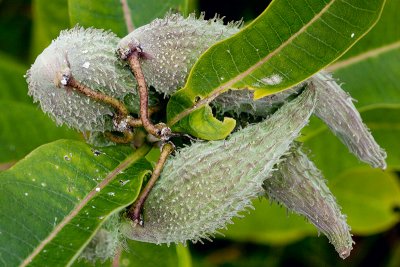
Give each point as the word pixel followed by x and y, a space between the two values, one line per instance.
pixel 336 109
pixel 89 56
pixel 172 45
pixel 299 185
pixel 241 101
pixel 105 243
pixel 205 185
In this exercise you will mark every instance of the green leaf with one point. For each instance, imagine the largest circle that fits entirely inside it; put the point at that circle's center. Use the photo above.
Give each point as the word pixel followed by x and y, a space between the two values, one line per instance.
pixel 109 14
pixel 50 18
pixel 137 254
pixel 152 255
pixel 25 127
pixel 269 224
pixel 287 43
pixel 377 57
pixel 384 33
pixel 53 201
pixel 12 82
pixel 369 198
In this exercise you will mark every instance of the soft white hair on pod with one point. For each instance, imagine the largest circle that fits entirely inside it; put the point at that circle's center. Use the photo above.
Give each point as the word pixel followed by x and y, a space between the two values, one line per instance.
pixel 203 186
pixel 300 186
pixel 335 107
pixel 172 45
pixel 89 55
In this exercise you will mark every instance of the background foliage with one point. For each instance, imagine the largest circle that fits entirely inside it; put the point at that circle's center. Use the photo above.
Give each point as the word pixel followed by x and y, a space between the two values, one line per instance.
pixel 267 236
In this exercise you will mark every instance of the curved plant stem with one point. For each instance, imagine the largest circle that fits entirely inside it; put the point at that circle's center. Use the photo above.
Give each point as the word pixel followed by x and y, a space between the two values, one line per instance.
pixel 135 210
pixel 126 138
pixel 134 63
pixel 98 96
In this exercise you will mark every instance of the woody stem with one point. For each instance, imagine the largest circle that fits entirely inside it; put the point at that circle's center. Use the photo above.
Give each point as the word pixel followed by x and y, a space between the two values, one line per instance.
pixel 136 68
pixel 134 212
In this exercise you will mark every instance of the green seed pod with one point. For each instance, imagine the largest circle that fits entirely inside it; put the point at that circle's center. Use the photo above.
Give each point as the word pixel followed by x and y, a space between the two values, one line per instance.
pixel 89 56
pixel 336 109
pixel 172 45
pixel 241 101
pixel 299 185
pixel 205 185
pixel 105 243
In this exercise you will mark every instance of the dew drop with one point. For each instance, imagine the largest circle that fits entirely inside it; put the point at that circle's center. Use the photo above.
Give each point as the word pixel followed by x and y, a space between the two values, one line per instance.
pixel 26 194
pixel 97 189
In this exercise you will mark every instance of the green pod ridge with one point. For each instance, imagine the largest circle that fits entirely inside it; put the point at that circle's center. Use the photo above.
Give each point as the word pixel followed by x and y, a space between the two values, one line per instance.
pixel 299 185
pixel 336 109
pixel 203 186
pixel 89 55
pixel 172 45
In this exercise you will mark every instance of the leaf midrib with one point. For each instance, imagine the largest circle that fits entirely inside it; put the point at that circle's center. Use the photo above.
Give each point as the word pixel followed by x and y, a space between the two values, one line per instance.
pixel 138 154
pixel 364 56
pixel 239 77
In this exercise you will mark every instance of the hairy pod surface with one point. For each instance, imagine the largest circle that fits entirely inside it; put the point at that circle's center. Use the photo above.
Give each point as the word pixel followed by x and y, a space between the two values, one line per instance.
pixel 172 45
pixel 336 109
pixel 299 185
pixel 89 56
pixel 105 243
pixel 203 186
pixel 241 101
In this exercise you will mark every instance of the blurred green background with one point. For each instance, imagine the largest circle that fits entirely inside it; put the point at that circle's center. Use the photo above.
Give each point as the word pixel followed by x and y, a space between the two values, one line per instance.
pixel 267 236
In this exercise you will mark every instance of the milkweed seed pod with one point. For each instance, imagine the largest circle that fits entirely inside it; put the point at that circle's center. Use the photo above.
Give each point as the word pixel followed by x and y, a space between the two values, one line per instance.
pixel 172 45
pixel 299 185
pixel 105 243
pixel 89 56
pixel 203 186
pixel 241 101
pixel 336 109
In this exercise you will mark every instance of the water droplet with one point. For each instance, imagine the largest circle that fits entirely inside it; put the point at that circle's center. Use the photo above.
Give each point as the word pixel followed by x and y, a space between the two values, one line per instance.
pixel 97 189
pixel 352 35
pixel 26 194
pixel 111 194
pixel 86 65
pixel 43 184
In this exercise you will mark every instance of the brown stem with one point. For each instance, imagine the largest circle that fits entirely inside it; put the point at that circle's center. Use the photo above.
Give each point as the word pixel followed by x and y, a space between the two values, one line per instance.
pixel 134 122
pixel 117 257
pixel 126 138
pixel 98 96
pixel 134 212
pixel 134 63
